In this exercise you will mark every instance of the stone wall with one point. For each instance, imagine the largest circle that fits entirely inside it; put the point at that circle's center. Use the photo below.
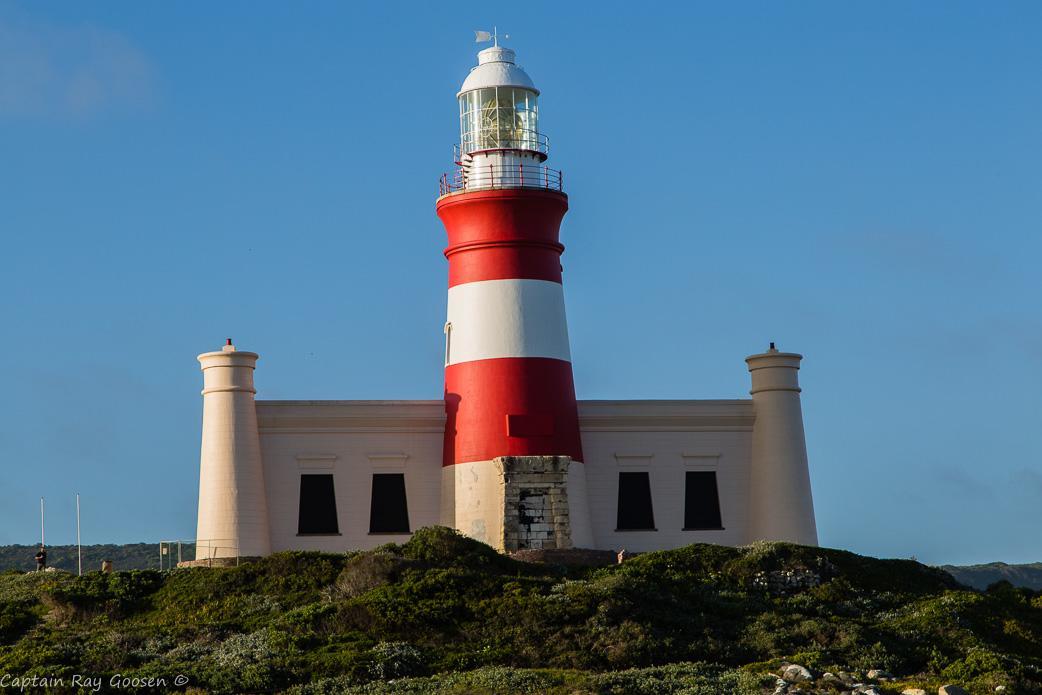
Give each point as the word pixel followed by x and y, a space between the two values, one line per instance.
pixel 535 502
pixel 575 557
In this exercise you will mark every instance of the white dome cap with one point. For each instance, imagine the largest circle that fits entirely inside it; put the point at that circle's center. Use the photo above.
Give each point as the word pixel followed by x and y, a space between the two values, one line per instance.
pixel 496 68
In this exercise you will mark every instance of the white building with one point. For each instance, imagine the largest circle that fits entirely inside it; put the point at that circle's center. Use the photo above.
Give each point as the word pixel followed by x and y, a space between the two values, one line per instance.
pixel 508 456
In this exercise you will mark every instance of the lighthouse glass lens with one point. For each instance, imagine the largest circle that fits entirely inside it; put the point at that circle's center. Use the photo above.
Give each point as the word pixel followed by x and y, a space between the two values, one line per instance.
pixel 526 118
pixel 488 119
pixel 497 118
pixel 468 120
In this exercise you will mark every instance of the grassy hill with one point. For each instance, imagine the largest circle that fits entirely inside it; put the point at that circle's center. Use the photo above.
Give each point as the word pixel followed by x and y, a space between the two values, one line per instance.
pixel 444 614
pixel 131 556
pixel 140 556
pixel 983 576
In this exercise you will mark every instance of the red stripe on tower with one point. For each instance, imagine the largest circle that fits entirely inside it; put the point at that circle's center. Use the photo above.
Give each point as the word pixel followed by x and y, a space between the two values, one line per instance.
pixel 530 410
pixel 503 234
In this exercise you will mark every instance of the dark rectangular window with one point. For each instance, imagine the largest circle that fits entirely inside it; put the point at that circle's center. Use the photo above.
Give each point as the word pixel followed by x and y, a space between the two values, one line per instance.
pixel 635 512
pixel 701 501
pixel 317 505
pixel 388 511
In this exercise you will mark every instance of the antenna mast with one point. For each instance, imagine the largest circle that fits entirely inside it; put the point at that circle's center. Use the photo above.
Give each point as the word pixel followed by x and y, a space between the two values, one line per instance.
pixel 79 548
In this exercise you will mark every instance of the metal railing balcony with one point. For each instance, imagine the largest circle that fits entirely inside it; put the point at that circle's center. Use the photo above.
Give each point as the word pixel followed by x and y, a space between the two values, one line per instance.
pixel 474 177
pixel 489 140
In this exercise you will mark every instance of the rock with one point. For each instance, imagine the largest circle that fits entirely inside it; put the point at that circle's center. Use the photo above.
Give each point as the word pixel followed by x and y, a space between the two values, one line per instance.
pixel 951 690
pixel 1000 688
pixel 862 689
pixel 845 678
pixel 913 691
pixel 794 673
pixel 878 673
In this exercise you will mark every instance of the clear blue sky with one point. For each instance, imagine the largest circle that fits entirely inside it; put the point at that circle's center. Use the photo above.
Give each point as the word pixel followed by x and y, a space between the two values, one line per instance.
pixel 859 182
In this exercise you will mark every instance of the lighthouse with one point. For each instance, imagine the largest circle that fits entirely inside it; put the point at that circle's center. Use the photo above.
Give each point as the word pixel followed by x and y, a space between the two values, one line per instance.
pixel 507 455
pixel 509 395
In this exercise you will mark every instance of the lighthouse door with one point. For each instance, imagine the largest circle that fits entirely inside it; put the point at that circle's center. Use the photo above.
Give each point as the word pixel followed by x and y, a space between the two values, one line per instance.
pixel 535 527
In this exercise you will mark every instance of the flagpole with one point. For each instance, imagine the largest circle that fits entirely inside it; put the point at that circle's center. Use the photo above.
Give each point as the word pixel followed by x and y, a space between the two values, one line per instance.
pixel 43 538
pixel 79 548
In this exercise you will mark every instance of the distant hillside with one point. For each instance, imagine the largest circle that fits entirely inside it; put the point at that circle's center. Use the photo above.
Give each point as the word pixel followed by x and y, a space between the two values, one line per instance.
pixel 982 576
pixel 446 615
pixel 132 556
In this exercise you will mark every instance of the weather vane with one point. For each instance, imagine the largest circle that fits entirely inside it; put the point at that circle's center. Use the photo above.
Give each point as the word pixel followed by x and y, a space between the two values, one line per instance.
pixel 493 36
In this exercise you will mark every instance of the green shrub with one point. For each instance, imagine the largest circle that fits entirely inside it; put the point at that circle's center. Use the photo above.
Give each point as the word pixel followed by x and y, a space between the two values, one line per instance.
pixel 439 546
pixel 367 571
pixel 977 663
pixel 686 678
pixel 395 660
pixel 16 618
pixel 116 594
pixel 243 663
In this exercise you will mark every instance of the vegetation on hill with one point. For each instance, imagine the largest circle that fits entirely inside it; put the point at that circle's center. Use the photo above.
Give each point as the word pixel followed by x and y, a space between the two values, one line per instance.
pixel 141 556
pixel 130 556
pixel 445 614
pixel 982 576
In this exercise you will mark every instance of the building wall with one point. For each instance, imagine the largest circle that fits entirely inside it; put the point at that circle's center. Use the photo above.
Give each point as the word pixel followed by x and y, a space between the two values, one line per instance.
pixel 352 440
pixel 667 439
pixel 355 439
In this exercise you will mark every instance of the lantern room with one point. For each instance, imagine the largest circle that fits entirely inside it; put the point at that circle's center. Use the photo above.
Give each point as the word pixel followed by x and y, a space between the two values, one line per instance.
pixel 499 107
pixel 500 145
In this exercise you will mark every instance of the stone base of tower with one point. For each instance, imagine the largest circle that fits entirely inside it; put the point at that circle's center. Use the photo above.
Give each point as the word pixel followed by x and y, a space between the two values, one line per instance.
pixel 519 502
pixel 535 502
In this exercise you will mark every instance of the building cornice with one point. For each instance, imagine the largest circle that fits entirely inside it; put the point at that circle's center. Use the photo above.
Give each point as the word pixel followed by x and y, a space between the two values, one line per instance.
pixel 300 417
pixel 666 415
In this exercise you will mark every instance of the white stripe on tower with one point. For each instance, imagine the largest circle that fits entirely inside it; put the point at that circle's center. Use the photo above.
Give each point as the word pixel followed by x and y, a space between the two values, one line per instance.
pixel 492 319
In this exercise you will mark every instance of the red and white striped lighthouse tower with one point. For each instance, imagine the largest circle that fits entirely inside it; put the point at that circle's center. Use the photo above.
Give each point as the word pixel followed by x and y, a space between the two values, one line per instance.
pixel 508 372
